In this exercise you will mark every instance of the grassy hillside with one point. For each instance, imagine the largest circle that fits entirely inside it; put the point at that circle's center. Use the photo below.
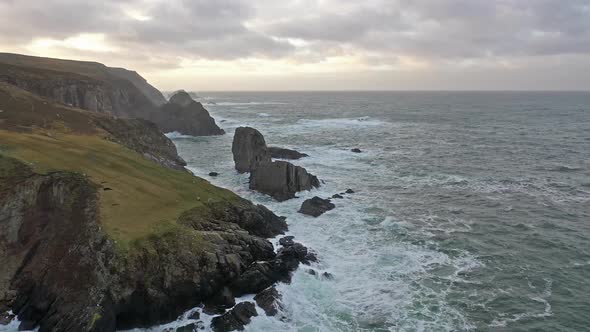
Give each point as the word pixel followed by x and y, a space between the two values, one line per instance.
pixel 139 197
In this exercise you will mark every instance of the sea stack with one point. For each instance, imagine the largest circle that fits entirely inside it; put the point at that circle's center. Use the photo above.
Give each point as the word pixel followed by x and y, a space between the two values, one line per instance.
pixel 279 179
pixel 249 149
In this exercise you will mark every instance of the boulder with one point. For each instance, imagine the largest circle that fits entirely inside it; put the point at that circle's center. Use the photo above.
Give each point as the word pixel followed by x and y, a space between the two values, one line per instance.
pixel 349 191
pixel 316 206
pixel 234 319
pixel 281 179
pixel 356 150
pixel 337 196
pixel 249 149
pixel 213 174
pixel 217 304
pixel 269 300
pixel 281 153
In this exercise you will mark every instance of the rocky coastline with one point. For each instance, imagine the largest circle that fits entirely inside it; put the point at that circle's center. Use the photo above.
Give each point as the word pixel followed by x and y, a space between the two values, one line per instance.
pixel 90 239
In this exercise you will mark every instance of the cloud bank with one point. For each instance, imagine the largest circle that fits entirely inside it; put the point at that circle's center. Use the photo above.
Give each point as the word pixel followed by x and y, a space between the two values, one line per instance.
pixel 305 38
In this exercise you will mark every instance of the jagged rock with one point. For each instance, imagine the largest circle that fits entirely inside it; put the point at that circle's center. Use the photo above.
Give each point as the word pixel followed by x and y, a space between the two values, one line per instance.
pixel 66 275
pixel 281 179
pixel 356 150
pixel 235 319
pixel 327 275
pixel 217 304
pixel 316 206
pixel 337 196
pixel 287 241
pixel 186 116
pixel 349 191
pixel 213 174
pixel 181 98
pixel 195 315
pixel 192 327
pixel 281 153
pixel 269 300
pixel 6 318
pixel 312 272
pixel 97 88
pixel 249 149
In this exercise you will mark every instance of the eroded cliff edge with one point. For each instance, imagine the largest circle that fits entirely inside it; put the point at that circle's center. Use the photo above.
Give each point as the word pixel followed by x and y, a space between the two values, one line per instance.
pixel 101 229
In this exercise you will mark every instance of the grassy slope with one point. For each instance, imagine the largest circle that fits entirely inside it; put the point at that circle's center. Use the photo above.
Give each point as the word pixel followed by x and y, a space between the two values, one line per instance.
pixel 145 197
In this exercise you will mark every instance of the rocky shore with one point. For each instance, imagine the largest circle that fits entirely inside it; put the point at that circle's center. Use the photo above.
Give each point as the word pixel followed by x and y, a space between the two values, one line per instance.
pixel 102 228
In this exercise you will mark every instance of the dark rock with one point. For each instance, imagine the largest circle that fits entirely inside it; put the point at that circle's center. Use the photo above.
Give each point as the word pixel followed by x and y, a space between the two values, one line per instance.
pixel 312 272
pixel 356 150
pixel 337 196
pixel 107 189
pixel 217 304
pixel 281 179
pixel 195 315
pixel 235 319
pixel 249 149
pixel 287 241
pixel 192 327
pixel 327 276
pixel 349 191
pixel 257 277
pixel 213 174
pixel 6 318
pixel 269 300
pixel 186 116
pixel 316 206
pixel 281 153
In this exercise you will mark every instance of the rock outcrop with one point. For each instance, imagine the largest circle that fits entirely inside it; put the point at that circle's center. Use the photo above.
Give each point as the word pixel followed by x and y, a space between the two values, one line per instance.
pixel 114 91
pixel 89 283
pixel 235 319
pixel 316 206
pixel 281 180
pixel 249 149
pixel 269 300
pixel 281 153
pixel 186 116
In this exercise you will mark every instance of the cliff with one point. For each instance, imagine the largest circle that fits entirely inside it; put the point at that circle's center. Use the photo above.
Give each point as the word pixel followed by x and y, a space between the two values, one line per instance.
pixel 96 235
pixel 95 87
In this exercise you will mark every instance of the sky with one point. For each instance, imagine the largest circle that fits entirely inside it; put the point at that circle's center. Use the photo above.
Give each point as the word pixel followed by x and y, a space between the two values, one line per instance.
pixel 207 45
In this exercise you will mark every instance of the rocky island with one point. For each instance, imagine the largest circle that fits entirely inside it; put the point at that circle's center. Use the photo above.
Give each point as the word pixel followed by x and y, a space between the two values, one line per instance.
pixel 101 227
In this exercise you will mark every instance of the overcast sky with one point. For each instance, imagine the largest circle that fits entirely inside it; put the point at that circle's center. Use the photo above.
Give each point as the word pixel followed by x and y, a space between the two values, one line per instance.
pixel 316 44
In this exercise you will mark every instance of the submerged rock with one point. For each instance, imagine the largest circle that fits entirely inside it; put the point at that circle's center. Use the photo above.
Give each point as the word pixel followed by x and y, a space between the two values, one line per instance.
pixel 281 180
pixel 337 196
pixel 234 319
pixel 249 149
pixel 356 150
pixel 349 191
pixel 281 153
pixel 316 206
pixel 269 300
pixel 213 174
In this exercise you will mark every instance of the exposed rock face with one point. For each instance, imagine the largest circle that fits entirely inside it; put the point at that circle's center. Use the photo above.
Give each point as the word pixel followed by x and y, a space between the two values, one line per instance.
pixel 316 206
pixel 28 111
pixel 115 91
pixel 281 153
pixel 281 179
pixel 89 285
pixel 186 116
pixel 235 319
pixel 249 149
pixel 269 300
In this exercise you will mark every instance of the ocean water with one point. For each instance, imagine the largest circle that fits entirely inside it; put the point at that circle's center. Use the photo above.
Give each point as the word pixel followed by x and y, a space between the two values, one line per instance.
pixel 471 211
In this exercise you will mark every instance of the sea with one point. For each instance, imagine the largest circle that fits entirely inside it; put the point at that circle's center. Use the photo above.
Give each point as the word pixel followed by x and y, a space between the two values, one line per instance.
pixel 471 210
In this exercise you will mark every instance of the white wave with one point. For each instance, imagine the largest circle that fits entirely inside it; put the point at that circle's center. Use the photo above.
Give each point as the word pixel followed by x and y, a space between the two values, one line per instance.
pixel 175 135
pixel 341 122
pixel 230 103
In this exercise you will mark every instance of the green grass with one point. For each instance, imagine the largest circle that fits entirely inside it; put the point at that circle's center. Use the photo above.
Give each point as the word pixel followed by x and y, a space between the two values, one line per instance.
pixel 145 199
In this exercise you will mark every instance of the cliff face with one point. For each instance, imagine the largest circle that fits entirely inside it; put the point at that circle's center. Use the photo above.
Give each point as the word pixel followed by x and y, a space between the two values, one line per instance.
pixel 64 273
pixel 25 112
pixel 98 88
